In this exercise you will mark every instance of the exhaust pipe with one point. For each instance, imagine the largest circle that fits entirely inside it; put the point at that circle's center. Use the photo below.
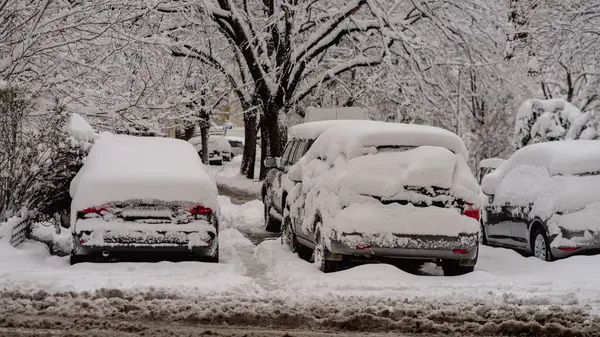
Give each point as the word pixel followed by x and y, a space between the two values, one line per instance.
pixel 105 253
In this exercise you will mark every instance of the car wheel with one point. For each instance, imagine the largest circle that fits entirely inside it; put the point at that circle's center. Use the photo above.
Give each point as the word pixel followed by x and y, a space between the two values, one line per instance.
pixel 271 224
pixel 540 245
pixel 288 238
pixel 319 257
pixel 453 268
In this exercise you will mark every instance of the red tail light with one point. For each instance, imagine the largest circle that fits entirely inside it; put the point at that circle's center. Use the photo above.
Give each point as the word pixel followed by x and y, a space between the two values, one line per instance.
pixel 460 251
pixel 568 249
pixel 98 210
pixel 470 211
pixel 363 247
pixel 200 210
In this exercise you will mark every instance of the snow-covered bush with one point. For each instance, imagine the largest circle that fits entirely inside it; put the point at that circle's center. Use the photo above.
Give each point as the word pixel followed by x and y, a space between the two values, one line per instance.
pixel 40 152
pixel 554 119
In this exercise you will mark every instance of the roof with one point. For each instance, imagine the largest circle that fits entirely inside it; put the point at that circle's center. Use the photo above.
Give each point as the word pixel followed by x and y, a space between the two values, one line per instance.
pixel 312 130
pixel 567 157
pixel 355 138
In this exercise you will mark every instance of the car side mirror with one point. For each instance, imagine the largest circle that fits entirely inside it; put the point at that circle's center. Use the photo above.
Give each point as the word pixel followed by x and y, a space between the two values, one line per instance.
pixel 295 173
pixel 270 162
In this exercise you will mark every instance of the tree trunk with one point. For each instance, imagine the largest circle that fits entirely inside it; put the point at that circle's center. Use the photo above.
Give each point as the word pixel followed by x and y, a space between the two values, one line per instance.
pixel 204 136
pixel 249 156
pixel 271 136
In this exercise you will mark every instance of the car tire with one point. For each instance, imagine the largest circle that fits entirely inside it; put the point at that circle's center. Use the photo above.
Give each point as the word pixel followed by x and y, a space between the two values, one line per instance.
pixel 540 245
pixel 319 254
pixel 288 238
pixel 453 268
pixel 271 224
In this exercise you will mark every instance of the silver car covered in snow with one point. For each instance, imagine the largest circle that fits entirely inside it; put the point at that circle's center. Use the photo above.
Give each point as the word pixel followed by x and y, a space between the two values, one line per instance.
pixel 143 195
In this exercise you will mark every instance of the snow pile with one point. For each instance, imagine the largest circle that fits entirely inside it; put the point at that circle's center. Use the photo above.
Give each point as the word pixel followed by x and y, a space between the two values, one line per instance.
pixel 247 217
pixel 59 244
pixel 7 227
pixel 554 119
pixel 121 168
pixel 351 169
pixel 79 128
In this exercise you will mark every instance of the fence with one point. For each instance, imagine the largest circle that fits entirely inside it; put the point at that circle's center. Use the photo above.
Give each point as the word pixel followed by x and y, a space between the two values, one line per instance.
pixel 16 230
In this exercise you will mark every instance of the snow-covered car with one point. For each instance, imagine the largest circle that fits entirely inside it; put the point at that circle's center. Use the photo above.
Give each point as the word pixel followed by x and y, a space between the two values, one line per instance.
pixel 237 145
pixel 219 149
pixel 143 195
pixel 390 192
pixel 276 186
pixel 487 166
pixel 545 200
pixel 220 145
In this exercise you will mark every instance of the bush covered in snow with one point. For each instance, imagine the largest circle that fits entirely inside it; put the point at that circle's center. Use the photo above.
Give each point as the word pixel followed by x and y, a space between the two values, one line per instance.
pixel 41 150
pixel 554 119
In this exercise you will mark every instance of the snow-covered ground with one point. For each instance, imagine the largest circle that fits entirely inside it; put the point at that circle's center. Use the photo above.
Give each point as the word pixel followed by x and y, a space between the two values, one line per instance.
pixel 228 178
pixel 266 285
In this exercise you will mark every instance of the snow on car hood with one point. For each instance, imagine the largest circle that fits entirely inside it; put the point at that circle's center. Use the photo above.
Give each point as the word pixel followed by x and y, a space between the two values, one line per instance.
pixel 120 168
pixel 387 174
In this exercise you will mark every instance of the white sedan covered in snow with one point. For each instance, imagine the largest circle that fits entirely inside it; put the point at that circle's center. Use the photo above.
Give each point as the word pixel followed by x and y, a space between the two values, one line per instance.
pixel 545 200
pixel 143 195
pixel 373 191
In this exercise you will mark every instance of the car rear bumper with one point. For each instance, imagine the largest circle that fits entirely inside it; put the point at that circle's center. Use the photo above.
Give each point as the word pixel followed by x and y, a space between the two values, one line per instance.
pixel 463 247
pixel 575 245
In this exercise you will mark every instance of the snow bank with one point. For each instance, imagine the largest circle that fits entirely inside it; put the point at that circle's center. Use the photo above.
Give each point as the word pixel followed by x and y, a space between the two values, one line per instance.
pixel 59 244
pixel 120 168
pixel 79 128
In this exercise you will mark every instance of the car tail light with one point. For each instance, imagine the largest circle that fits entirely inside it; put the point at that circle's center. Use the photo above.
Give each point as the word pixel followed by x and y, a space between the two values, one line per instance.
pixel 97 210
pixel 460 251
pixel 363 247
pixel 198 210
pixel 470 211
pixel 82 241
pixel 568 249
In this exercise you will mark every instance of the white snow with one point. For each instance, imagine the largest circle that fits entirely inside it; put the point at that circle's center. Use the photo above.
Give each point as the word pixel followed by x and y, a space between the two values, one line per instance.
pixel 121 168
pixel 215 143
pixel 569 157
pixel 376 218
pixel 79 128
pixel 356 138
pixel 491 162
pixel 312 130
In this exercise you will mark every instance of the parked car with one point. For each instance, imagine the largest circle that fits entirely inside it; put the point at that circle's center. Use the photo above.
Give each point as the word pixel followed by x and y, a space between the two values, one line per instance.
pixel 274 188
pixel 545 200
pixel 219 149
pixel 220 144
pixel 372 191
pixel 237 145
pixel 143 195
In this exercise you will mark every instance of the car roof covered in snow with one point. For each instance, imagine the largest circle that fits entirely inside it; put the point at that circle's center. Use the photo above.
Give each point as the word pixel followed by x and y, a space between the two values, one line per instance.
pixel 355 138
pixel 220 142
pixel 566 158
pixel 491 162
pixel 312 130
pixel 121 167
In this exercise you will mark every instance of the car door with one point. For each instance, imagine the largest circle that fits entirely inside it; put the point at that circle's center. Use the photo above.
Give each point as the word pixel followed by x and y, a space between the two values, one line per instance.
pixel 284 165
pixel 497 225
pixel 519 226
